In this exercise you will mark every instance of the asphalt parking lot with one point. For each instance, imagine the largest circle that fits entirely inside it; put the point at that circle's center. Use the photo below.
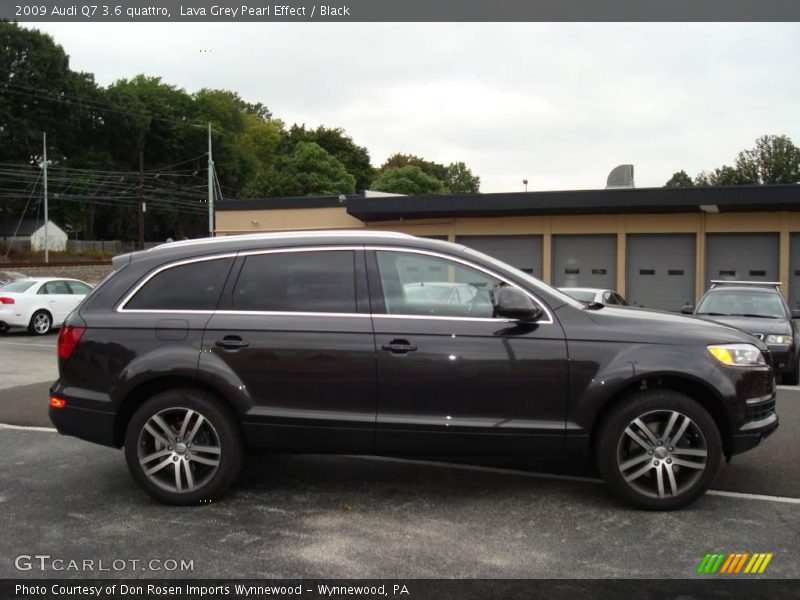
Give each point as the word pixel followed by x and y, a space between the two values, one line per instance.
pixel 318 516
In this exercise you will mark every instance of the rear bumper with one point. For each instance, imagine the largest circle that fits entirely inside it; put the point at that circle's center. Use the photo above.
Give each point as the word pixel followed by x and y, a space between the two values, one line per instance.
pixel 90 425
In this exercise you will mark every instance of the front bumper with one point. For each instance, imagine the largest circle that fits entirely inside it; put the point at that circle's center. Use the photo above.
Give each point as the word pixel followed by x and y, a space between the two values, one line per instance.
pixel 762 422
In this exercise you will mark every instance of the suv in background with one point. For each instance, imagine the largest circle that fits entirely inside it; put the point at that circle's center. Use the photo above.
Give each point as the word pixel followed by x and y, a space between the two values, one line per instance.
pixel 193 352
pixel 760 309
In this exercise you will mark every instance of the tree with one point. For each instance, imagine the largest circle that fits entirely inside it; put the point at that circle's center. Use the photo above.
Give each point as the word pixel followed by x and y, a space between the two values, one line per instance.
pixel 679 180
pixel 407 180
pixel 341 146
pixel 460 179
pixel 310 170
pixel 428 167
pixel 724 175
pixel 774 159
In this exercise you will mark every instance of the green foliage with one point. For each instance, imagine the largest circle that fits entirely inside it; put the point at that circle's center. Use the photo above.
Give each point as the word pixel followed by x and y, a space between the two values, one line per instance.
pixel 310 170
pixel 407 180
pixel 433 169
pixel 95 135
pixel 773 160
pixel 460 179
pixel 679 180
pixel 338 144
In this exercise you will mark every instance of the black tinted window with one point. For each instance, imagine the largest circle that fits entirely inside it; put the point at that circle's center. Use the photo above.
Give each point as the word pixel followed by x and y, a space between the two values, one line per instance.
pixel 193 286
pixel 297 282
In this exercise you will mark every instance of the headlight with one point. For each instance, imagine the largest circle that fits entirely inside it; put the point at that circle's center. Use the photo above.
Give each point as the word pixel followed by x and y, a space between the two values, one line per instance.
pixel 778 340
pixel 737 355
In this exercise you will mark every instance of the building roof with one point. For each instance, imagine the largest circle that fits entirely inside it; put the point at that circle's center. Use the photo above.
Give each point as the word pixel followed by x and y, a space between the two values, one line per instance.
pixel 26 228
pixel 610 201
pixel 750 198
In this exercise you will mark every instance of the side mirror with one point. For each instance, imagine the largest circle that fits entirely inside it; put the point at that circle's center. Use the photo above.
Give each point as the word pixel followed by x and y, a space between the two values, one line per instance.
pixel 687 309
pixel 796 313
pixel 512 303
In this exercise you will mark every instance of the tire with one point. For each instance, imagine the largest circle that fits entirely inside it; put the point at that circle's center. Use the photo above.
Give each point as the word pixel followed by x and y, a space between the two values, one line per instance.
pixel 41 323
pixel 4 327
pixel 676 477
pixel 178 472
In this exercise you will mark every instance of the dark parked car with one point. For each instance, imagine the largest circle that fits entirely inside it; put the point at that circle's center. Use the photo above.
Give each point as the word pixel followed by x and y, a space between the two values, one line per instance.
pixel 191 353
pixel 759 308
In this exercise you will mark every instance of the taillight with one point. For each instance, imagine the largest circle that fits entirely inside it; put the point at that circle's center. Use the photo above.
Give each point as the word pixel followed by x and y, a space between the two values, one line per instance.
pixel 68 338
pixel 6 300
pixel 57 402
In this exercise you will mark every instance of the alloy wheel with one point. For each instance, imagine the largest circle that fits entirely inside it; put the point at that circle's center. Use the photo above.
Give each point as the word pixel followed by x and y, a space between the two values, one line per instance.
pixel 179 450
pixel 662 453
pixel 41 323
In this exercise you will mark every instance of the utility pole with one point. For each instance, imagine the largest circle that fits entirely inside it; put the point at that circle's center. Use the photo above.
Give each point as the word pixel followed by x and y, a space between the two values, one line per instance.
pixel 210 186
pixel 46 217
pixel 141 201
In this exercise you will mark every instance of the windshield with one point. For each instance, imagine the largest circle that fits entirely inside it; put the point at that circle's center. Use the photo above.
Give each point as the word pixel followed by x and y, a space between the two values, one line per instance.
pixel 742 303
pixel 18 286
pixel 536 284
pixel 581 295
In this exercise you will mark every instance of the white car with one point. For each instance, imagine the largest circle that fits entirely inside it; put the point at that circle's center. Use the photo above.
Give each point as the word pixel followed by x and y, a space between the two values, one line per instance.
pixel 596 295
pixel 39 303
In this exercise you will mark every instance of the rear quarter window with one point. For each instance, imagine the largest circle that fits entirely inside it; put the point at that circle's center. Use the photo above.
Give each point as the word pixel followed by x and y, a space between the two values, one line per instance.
pixel 192 286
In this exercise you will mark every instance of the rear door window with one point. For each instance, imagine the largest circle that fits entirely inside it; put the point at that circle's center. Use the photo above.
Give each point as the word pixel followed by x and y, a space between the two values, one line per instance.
pixel 309 281
pixel 191 286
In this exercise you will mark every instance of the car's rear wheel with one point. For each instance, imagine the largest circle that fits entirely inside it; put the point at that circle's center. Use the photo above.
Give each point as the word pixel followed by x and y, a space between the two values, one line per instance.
pixel 41 323
pixel 659 450
pixel 184 446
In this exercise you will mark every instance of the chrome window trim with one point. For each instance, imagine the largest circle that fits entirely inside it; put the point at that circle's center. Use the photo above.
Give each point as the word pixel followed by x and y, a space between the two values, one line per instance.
pixel 328 248
pixel 548 321
pixel 121 305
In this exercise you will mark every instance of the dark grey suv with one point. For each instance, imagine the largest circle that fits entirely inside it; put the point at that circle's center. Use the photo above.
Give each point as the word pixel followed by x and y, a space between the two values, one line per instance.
pixel 192 353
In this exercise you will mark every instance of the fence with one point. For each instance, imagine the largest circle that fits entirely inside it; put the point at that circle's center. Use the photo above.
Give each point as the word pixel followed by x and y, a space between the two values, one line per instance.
pixel 105 246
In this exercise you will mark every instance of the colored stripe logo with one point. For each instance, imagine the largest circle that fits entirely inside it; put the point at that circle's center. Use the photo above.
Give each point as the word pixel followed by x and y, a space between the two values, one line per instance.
pixel 735 563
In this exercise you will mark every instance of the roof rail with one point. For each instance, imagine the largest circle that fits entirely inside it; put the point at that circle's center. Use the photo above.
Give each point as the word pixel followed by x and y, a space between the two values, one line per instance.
pixel 716 282
pixel 283 234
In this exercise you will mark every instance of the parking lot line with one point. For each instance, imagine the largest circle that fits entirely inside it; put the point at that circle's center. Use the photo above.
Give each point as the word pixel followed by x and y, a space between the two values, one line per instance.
pixel 788 388
pixel 28 428
pixel 49 347
pixel 478 468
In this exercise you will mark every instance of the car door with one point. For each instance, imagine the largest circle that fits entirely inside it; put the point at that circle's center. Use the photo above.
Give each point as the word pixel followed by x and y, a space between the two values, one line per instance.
pixel 452 378
pixel 59 299
pixel 294 329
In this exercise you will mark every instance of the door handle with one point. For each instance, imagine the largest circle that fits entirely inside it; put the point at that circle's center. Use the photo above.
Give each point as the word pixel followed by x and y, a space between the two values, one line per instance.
pixel 232 342
pixel 399 347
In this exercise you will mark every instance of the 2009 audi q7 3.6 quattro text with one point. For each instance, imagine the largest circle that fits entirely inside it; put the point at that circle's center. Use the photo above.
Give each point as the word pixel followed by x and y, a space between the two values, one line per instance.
pixel 193 352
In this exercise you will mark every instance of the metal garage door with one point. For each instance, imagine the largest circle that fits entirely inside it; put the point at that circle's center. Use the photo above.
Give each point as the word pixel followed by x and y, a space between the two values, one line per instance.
pixel 585 261
pixel 521 251
pixel 660 270
pixel 742 257
pixel 794 271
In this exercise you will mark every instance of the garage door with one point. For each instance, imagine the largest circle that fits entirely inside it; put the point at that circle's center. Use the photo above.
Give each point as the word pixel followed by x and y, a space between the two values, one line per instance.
pixel 741 257
pixel 660 271
pixel 585 261
pixel 521 251
pixel 794 271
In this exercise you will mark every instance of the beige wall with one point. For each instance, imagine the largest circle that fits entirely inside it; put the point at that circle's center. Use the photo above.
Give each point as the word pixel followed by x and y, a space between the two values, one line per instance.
pixel 784 223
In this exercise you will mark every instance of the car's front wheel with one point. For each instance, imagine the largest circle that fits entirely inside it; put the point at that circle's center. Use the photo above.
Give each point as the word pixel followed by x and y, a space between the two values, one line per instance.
pixel 659 450
pixel 184 446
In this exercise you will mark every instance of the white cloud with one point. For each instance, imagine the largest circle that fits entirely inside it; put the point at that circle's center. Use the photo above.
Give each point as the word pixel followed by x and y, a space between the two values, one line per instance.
pixel 560 104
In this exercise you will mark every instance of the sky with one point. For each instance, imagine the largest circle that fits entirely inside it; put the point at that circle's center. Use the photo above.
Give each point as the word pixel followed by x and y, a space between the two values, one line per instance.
pixel 557 104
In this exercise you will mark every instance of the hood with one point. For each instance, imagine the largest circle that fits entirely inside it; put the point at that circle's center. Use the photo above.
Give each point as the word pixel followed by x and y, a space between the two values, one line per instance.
pixel 755 325
pixel 641 325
